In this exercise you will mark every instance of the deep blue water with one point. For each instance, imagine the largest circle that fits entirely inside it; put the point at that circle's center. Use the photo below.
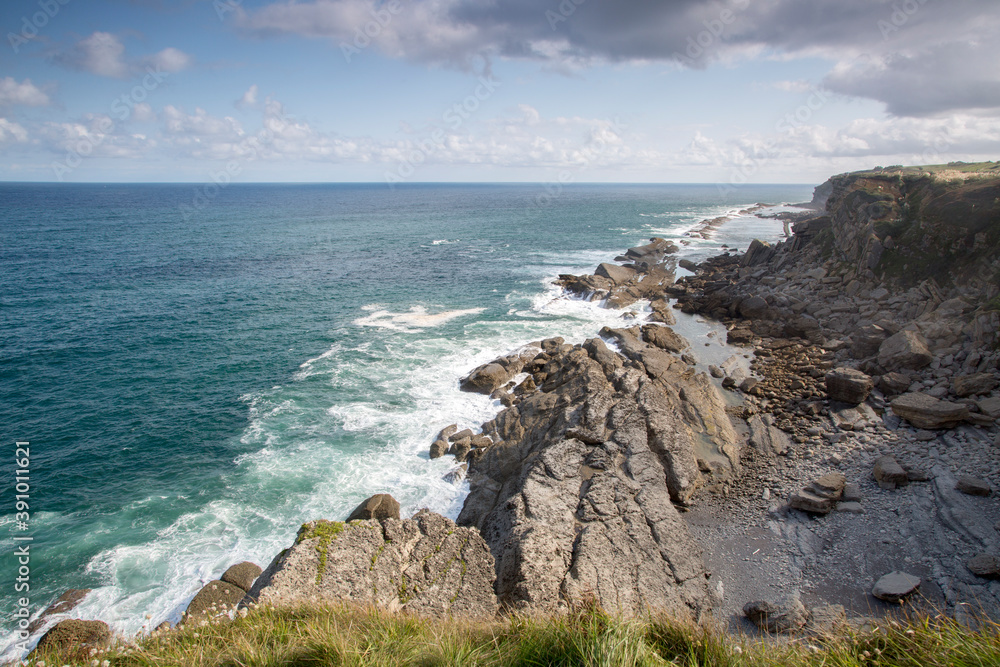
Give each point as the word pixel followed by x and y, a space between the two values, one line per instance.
pixel 195 386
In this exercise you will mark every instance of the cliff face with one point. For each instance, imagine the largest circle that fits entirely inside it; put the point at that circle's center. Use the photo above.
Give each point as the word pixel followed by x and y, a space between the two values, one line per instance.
pixel 909 225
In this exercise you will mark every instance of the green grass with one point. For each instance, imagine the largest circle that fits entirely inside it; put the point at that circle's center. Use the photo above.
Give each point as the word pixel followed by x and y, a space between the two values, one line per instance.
pixel 362 637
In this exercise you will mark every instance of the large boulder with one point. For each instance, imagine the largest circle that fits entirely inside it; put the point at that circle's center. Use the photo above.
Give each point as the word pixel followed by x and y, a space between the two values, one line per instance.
pixel 242 575
pixel 753 307
pixel 426 566
pixel 378 507
pixel 924 411
pixel 785 615
pixel 895 586
pixel 214 599
pixel 72 635
pixel 904 350
pixel 664 338
pixel 848 385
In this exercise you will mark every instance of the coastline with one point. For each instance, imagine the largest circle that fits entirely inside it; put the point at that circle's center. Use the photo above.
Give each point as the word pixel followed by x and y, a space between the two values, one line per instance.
pixel 794 497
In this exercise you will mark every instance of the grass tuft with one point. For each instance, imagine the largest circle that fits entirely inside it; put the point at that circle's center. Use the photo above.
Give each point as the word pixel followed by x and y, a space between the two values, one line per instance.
pixel 587 636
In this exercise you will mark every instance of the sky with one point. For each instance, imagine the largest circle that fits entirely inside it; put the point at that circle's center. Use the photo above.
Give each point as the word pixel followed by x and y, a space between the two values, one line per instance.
pixel 554 91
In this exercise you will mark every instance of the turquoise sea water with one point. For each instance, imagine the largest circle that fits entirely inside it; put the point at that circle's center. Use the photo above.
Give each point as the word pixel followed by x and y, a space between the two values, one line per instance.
pixel 195 388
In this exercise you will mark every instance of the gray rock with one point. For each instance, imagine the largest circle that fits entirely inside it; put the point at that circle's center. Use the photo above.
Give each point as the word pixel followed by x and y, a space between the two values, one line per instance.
pixel 894 383
pixel 989 406
pixel 768 439
pixel 866 340
pixel 973 486
pixel 616 274
pixel 973 385
pixel 985 565
pixel 214 599
pixel 851 507
pixel 753 307
pixel 852 492
pixel 748 385
pixel 380 506
pixel 924 411
pixel 895 586
pixel 889 474
pixel 906 349
pixel 425 566
pixel 242 575
pixel 716 372
pixel 809 502
pixel 848 385
pixel 785 615
pixel 438 449
pixel 577 496
pixel 72 635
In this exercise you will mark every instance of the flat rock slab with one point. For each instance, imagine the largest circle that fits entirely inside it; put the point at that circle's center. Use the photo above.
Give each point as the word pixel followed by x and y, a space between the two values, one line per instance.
pixel 924 411
pixel 973 486
pixel 808 502
pixel 426 566
pixel 895 586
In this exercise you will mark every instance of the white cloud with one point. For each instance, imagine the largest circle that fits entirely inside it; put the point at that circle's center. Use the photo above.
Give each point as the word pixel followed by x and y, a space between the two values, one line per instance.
pixel 103 54
pixel 96 135
pixel 24 93
pixel 12 132
pixel 170 60
pixel 249 98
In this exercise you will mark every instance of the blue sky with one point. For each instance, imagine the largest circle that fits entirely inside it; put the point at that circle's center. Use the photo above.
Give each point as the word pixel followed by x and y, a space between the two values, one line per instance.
pixel 723 91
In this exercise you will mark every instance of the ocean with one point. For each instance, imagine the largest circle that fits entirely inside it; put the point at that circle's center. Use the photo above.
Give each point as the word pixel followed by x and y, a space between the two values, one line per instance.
pixel 195 383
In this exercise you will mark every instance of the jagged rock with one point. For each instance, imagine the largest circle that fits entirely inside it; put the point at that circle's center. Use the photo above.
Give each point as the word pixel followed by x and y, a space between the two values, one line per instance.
pixel 848 385
pixel 889 474
pixel 866 340
pixel 438 449
pixel 426 566
pixel 749 384
pixel 851 493
pixel 486 379
pixel 904 350
pixel 242 575
pixel 664 338
pixel 461 449
pixel 688 265
pixel 985 565
pixel 757 253
pixel 65 602
pixel 973 385
pixel 739 336
pixel 895 586
pixel 973 486
pixel 614 273
pixel 925 411
pixel 576 497
pixel 214 599
pixel 72 635
pixel 785 615
pixel 380 506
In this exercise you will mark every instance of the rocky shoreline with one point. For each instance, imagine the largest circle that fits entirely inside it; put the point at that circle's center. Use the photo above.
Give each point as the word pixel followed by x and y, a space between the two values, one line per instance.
pixel 850 467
